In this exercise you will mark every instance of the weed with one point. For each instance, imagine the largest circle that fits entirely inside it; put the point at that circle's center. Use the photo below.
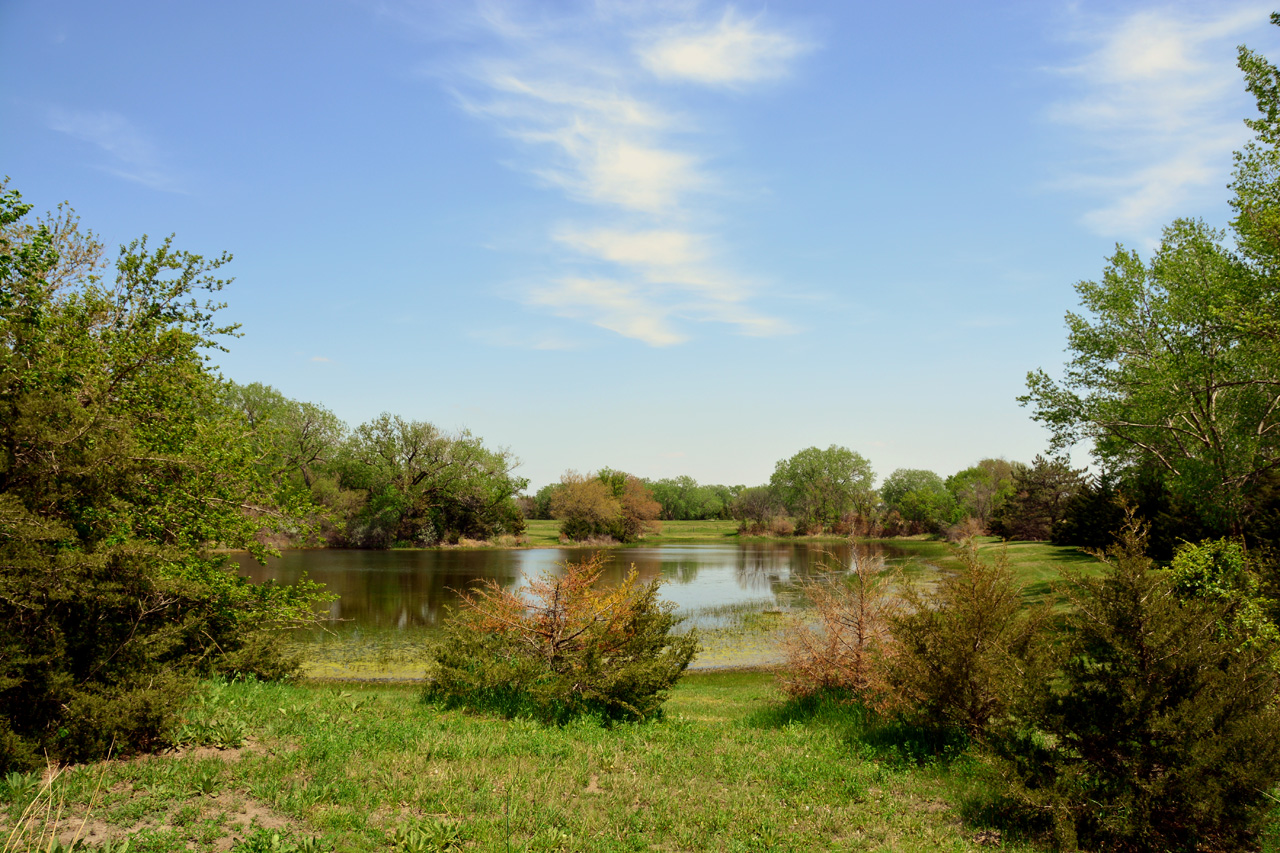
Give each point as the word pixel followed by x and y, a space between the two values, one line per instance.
pixel 435 836
pixel 19 787
pixel 273 841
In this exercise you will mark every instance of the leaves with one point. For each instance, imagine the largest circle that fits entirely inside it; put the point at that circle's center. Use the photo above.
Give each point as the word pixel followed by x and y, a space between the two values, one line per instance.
pixel 570 645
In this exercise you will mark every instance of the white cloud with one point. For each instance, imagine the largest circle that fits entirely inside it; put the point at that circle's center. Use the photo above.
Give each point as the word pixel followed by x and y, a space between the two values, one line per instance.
pixel 730 51
pixel 594 124
pixel 611 305
pixel 661 248
pixel 673 268
pixel 134 156
pixel 1161 104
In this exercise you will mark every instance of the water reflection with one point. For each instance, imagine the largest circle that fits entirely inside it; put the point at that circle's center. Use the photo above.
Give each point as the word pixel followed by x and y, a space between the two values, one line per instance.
pixel 403 590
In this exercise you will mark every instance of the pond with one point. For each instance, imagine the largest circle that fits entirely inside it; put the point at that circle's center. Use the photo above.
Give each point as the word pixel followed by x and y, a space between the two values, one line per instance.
pixel 390 602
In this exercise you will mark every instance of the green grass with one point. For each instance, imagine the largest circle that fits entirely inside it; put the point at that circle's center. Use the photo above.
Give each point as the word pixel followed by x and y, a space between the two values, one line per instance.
pixel 541 533
pixel 1036 566
pixel 353 766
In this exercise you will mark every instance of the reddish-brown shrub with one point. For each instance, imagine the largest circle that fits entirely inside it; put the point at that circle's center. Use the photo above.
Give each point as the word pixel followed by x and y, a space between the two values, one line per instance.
pixel 966 529
pixel 845 650
pixel 781 527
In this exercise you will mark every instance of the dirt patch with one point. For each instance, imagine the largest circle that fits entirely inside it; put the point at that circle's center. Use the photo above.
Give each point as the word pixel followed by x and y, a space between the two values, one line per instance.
pixel 238 815
pixel 243 815
pixel 229 754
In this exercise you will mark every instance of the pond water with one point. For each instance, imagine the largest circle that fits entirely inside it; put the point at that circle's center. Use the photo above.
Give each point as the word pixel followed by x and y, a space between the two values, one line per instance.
pixel 390 602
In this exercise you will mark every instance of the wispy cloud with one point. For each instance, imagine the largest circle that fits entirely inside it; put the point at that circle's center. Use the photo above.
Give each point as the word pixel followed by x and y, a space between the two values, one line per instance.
pixel 589 97
pixel 1159 100
pixel 132 155
pixel 730 51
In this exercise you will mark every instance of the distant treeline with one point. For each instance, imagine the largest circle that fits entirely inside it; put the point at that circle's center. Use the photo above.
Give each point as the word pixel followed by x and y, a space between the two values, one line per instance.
pixel 394 482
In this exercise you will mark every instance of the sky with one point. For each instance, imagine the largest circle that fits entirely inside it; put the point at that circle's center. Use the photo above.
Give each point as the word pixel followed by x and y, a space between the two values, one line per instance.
pixel 672 238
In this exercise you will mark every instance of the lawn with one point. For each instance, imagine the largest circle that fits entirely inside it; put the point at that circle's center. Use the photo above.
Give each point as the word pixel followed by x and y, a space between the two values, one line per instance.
pixel 371 767
pixel 542 533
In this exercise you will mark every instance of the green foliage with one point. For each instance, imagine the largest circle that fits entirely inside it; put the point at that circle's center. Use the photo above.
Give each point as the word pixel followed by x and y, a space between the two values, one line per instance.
pixel 424 486
pixel 966 651
pixel 1040 495
pixel 609 505
pixel 571 648
pixel 119 468
pixel 821 487
pixel 980 491
pixel 920 498
pixel 1218 571
pixel 683 499
pixel 1163 732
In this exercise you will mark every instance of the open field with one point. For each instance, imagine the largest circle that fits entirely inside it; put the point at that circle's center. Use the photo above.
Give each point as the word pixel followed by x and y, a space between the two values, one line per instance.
pixel 353 765
pixel 542 533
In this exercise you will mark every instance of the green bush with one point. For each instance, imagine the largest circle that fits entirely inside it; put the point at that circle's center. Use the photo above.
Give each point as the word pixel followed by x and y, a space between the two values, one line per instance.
pixel 573 647
pixel 120 467
pixel 1162 731
pixel 965 653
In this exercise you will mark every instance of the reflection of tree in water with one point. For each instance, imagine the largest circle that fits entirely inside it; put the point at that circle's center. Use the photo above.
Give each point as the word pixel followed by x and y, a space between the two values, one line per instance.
pixel 780 566
pixel 406 590
pixel 400 590
pixel 765 565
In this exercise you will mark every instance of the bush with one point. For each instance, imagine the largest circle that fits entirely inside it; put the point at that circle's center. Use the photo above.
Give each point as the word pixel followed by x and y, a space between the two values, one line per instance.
pixel 608 504
pixel 1163 730
pixel 120 469
pixel 844 655
pixel 964 652
pixel 574 647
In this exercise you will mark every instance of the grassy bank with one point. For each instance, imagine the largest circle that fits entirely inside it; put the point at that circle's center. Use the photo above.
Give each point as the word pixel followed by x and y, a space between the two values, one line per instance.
pixel 542 533
pixel 369 767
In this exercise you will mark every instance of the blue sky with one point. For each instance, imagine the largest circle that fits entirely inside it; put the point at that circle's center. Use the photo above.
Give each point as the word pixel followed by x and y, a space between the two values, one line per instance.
pixel 668 237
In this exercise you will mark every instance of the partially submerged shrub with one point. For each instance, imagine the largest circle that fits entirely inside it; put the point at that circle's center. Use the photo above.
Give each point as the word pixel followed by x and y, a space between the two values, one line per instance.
pixel 844 652
pixel 966 650
pixel 572 646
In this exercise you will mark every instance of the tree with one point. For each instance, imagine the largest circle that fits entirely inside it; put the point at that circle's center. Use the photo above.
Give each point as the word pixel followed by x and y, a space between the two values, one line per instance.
pixel 755 507
pixel 1177 362
pixel 425 486
pixel 820 486
pixel 919 497
pixel 610 504
pixel 981 490
pixel 1042 492
pixel 1166 369
pixel 845 652
pixel 119 469
pixel 965 651
pixel 294 440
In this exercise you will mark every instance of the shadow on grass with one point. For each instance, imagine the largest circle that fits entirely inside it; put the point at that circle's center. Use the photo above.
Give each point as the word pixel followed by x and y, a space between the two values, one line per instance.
pixel 891 739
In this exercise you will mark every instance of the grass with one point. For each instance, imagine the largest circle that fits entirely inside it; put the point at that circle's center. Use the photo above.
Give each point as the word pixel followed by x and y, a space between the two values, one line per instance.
pixel 542 533
pixel 327 767
pixel 1037 566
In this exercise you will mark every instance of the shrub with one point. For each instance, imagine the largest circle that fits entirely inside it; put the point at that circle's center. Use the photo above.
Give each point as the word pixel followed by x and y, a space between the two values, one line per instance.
pixel 964 651
pixel 572 647
pixel 1163 731
pixel 781 526
pixel 844 655
pixel 610 503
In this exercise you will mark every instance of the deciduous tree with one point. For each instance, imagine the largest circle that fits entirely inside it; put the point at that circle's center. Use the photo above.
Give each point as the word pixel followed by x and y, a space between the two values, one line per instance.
pixel 820 486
